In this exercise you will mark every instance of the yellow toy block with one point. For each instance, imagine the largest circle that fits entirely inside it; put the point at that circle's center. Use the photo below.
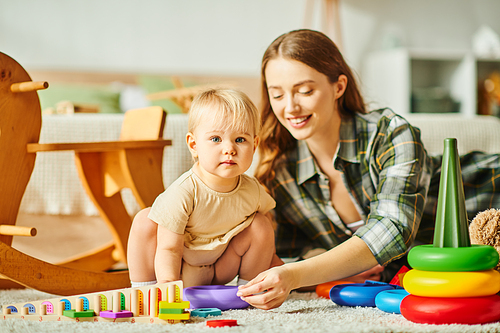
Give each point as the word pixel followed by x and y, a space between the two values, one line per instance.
pixel 174 305
pixel 173 316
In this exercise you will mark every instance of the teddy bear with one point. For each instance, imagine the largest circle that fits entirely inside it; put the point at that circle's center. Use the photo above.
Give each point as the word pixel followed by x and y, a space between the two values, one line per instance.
pixel 485 229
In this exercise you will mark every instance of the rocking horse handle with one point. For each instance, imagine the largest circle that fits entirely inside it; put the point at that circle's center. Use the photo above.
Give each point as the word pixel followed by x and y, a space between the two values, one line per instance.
pixel 28 86
pixel 14 230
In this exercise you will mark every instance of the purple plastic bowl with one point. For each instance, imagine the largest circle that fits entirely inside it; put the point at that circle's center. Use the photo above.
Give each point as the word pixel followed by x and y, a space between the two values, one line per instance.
pixel 215 296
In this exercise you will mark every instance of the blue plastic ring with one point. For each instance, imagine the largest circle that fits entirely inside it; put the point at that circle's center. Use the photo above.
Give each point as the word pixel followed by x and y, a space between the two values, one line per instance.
pixel 390 300
pixel 205 312
pixel 358 294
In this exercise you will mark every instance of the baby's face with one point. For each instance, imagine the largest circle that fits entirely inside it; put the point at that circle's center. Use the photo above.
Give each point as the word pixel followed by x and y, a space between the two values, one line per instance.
pixel 223 153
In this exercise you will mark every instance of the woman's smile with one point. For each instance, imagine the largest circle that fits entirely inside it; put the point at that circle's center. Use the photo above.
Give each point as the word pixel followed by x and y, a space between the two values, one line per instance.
pixel 298 122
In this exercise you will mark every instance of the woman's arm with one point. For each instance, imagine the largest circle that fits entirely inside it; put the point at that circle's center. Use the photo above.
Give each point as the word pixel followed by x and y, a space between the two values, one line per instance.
pixel 349 258
pixel 168 259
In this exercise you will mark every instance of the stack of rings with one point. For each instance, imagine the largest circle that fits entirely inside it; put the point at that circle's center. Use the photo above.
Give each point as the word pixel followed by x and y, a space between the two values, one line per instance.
pixel 452 285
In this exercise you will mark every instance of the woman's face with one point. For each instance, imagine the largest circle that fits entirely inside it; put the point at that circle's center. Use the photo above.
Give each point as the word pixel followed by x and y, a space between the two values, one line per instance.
pixel 303 99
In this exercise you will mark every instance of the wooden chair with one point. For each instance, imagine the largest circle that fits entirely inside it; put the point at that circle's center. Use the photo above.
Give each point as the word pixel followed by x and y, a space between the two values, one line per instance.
pixel 105 168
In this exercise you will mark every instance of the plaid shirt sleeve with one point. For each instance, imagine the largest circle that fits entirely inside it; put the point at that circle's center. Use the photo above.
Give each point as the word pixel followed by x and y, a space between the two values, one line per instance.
pixel 394 187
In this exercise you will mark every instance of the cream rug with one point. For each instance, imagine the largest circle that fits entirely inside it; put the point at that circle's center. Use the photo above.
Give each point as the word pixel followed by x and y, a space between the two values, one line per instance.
pixel 302 312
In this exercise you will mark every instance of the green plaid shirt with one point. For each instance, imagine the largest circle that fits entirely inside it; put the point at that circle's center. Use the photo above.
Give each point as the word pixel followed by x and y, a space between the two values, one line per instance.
pixel 392 182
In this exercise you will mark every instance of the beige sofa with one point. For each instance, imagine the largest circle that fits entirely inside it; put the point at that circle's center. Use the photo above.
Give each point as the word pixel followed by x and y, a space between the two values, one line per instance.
pixel 55 188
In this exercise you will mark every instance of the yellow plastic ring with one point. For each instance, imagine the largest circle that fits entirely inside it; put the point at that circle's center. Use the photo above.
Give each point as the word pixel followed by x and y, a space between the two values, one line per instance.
pixel 453 259
pixel 452 284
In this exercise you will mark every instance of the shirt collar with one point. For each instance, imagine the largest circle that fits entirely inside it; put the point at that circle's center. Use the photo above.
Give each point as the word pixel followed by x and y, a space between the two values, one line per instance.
pixel 306 167
pixel 348 150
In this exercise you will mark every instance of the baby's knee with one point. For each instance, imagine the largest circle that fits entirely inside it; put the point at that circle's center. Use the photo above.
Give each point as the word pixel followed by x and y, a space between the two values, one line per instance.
pixel 262 226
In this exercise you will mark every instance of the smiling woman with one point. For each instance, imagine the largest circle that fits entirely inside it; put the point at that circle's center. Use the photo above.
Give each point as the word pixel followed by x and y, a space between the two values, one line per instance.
pixel 357 187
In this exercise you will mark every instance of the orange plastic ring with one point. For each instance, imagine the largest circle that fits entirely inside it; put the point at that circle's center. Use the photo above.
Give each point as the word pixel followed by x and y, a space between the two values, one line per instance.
pixel 323 289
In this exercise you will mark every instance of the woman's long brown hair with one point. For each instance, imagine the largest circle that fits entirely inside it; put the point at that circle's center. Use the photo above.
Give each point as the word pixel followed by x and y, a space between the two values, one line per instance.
pixel 317 51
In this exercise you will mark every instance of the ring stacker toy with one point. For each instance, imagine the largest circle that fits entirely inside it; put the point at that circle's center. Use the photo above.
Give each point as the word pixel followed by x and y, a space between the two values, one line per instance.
pixel 222 323
pixel 390 300
pixel 452 282
pixel 358 294
pixel 323 289
pixel 205 312
pixel 214 296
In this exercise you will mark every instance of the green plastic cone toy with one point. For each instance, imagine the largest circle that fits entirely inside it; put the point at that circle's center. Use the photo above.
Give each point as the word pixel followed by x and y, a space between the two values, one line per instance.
pixel 452 227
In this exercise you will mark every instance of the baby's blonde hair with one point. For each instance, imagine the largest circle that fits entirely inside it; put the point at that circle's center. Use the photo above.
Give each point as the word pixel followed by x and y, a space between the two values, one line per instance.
pixel 230 109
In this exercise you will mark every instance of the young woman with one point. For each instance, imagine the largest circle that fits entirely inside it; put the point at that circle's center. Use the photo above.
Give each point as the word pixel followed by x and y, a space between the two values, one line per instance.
pixel 359 185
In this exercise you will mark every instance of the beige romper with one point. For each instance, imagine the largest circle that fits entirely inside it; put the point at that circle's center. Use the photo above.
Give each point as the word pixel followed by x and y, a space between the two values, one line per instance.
pixel 208 219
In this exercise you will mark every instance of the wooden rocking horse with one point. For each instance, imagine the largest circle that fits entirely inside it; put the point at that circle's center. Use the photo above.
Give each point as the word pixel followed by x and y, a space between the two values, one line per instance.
pixel 135 162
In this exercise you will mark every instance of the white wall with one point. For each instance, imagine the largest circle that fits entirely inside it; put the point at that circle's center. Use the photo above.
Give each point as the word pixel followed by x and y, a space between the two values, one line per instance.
pixel 225 37
pixel 172 36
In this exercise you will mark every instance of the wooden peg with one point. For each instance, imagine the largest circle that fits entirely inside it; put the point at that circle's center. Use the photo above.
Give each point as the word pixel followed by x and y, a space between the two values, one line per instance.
pixel 153 301
pixel 97 304
pixel 60 308
pixel 14 230
pixel 134 302
pixel 28 86
pixel 171 293
pixel 43 309
pixel 79 305
pixel 117 301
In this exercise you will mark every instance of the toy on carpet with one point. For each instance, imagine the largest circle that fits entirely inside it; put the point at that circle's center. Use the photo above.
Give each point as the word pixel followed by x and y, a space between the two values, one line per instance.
pixel 158 304
pixel 390 300
pixel 214 296
pixel 222 323
pixel 359 294
pixel 452 281
pixel 205 312
pixel 323 289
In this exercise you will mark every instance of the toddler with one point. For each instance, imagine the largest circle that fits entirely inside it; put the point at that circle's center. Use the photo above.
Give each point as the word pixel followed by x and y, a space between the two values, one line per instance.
pixel 209 225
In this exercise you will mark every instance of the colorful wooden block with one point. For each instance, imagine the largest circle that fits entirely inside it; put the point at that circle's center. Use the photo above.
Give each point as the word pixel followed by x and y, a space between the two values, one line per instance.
pixel 78 314
pixel 173 316
pixel 174 305
pixel 205 312
pixel 171 311
pixel 119 314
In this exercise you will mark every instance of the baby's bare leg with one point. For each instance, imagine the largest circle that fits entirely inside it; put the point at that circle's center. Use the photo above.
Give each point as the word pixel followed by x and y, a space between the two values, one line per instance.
pixel 248 253
pixel 141 248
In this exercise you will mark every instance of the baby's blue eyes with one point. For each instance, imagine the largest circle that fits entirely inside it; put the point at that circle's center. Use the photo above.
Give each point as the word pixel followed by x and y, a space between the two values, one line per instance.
pixel 218 140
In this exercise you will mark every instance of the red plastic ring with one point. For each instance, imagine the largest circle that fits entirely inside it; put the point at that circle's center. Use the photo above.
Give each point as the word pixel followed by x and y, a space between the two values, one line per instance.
pixel 222 323
pixel 451 310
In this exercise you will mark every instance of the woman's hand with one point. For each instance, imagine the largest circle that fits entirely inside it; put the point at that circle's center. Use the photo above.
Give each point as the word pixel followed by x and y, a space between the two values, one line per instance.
pixel 269 289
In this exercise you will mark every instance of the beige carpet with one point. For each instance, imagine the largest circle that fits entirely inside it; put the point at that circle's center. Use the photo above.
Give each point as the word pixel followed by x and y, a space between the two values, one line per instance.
pixel 302 312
